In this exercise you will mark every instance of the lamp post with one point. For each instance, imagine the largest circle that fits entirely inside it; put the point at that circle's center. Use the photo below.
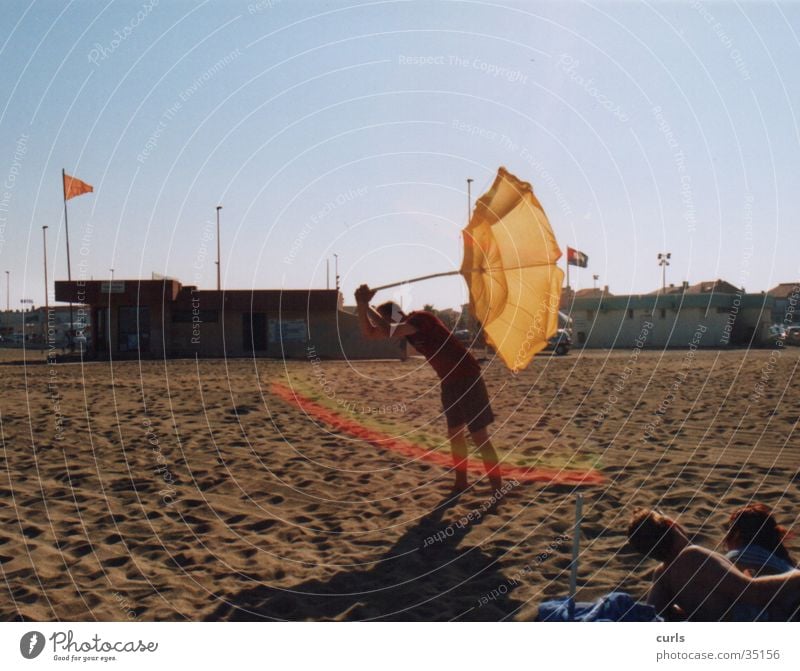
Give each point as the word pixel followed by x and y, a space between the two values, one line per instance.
pixel 469 196
pixel 336 270
pixel 663 261
pixel 8 290
pixel 595 278
pixel 46 297
pixel 219 283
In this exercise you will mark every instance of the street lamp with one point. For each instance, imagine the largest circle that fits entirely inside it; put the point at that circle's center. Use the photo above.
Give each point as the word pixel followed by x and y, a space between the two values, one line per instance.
pixel 595 278
pixel 469 197
pixel 219 283
pixel 46 297
pixel 8 290
pixel 336 269
pixel 663 261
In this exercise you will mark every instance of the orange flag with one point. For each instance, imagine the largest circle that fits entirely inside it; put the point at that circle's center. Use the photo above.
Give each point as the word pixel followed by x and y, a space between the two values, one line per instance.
pixel 75 187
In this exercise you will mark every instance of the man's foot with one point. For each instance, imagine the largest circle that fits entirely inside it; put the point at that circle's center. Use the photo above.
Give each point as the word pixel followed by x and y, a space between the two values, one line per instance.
pixel 496 483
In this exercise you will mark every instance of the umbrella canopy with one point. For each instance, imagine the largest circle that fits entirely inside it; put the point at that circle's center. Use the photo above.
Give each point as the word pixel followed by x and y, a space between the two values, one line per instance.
pixel 510 255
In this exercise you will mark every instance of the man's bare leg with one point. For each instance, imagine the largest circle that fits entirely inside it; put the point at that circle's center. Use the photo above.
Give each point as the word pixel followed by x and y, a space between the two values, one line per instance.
pixel 458 447
pixel 489 456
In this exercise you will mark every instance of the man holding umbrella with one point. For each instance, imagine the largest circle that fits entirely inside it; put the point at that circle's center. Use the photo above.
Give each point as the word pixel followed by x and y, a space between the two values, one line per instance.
pixel 463 392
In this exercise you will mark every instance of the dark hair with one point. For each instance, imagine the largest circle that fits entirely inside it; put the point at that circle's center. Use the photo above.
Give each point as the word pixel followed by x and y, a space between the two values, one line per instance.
pixel 390 311
pixel 651 533
pixel 755 524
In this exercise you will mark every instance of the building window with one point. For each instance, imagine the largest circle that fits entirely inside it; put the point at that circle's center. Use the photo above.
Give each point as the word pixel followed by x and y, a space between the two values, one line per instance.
pixel 630 313
pixel 254 331
pixel 722 311
pixel 581 337
pixel 134 329
pixel 102 324
pixel 663 313
pixel 590 314
pixel 188 316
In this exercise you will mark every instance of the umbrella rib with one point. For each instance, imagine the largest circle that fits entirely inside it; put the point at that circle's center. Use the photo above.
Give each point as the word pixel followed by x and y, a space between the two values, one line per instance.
pixel 519 307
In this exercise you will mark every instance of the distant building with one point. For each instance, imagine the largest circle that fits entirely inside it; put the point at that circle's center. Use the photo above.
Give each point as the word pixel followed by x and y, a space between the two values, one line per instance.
pixel 786 306
pixel 164 318
pixel 707 314
pixel 32 326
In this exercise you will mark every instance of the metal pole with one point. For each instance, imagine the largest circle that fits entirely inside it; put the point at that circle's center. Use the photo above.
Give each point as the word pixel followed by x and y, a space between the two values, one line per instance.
pixel 416 279
pixel 327 273
pixel 576 544
pixel 8 291
pixel 336 270
pixel 66 235
pixel 219 283
pixel 46 297
pixel 469 197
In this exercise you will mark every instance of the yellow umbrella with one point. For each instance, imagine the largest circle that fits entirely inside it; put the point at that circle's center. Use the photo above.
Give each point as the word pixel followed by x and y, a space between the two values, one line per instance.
pixel 510 255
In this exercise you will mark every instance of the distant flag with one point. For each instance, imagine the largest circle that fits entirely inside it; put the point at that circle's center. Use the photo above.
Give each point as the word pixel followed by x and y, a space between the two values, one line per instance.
pixel 74 187
pixel 576 258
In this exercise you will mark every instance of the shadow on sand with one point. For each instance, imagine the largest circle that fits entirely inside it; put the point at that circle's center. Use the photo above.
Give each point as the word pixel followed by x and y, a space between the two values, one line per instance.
pixel 409 582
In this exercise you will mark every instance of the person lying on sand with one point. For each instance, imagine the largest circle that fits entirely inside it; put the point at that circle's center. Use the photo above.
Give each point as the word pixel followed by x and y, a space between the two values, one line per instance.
pixel 697 584
pixel 463 392
pixel 755 541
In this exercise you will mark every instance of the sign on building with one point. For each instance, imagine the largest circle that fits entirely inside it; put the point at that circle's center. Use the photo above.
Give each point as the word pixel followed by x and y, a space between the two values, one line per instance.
pixel 287 330
pixel 115 287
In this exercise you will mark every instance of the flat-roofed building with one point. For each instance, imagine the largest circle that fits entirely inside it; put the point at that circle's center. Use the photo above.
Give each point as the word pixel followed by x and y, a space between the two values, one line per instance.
pixel 162 317
pixel 708 314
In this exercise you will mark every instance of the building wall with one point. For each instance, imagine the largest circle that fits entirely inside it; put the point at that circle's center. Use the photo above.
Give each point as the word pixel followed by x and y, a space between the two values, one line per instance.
pixel 327 334
pixel 626 322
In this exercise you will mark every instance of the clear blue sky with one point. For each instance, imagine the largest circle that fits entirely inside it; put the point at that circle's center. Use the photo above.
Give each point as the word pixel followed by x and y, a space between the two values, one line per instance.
pixel 350 128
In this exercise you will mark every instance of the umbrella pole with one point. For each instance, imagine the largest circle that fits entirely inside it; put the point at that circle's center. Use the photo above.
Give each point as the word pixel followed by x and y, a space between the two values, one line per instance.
pixel 416 279
pixel 576 543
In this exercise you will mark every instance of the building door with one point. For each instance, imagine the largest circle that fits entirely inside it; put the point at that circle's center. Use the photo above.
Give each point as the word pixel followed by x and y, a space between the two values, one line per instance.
pixel 134 329
pixel 254 331
pixel 102 335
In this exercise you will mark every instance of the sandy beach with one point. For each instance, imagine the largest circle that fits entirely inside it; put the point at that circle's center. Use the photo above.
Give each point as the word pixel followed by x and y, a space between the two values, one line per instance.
pixel 192 490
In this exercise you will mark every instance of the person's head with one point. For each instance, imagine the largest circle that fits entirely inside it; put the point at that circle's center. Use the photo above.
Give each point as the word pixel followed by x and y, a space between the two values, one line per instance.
pixel 755 524
pixel 655 535
pixel 391 311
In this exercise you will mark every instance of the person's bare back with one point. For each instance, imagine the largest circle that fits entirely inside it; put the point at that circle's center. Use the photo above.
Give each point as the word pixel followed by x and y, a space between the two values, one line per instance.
pixel 698 584
pixel 702 584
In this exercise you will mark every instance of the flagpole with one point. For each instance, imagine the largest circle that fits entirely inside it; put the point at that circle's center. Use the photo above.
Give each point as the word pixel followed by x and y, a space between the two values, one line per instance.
pixel 66 234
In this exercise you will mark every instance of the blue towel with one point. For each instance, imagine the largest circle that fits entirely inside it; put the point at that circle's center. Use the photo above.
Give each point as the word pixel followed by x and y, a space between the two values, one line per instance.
pixel 613 607
pixel 759 559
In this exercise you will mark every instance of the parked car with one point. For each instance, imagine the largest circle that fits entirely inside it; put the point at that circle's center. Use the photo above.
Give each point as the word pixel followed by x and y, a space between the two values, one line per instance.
pixel 791 336
pixel 464 336
pixel 81 343
pixel 560 343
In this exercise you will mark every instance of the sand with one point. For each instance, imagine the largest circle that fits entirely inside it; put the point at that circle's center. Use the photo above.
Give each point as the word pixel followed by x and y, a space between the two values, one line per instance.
pixel 191 490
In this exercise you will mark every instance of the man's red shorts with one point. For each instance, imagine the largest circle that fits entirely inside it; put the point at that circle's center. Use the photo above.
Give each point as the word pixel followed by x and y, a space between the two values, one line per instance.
pixel 466 401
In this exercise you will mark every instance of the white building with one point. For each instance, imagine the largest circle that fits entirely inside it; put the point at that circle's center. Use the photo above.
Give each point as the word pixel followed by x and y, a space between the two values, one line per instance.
pixel 708 314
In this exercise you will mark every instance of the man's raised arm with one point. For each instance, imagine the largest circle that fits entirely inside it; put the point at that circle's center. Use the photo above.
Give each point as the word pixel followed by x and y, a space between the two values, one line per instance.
pixel 371 323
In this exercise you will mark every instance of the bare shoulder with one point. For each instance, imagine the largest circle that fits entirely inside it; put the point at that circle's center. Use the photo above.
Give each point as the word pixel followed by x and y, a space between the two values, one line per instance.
pixel 698 561
pixel 698 554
